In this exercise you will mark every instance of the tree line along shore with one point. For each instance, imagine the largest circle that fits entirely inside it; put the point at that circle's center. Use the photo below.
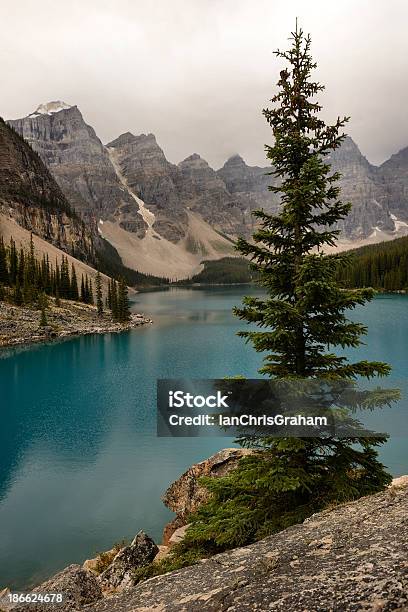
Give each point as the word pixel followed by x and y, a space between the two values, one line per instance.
pixel 41 300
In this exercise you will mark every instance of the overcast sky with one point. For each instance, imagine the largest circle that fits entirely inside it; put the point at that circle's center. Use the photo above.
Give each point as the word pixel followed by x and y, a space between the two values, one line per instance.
pixel 197 73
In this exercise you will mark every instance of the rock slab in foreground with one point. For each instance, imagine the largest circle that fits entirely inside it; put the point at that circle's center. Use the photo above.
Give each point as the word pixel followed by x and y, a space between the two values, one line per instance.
pixel 79 587
pixel 354 557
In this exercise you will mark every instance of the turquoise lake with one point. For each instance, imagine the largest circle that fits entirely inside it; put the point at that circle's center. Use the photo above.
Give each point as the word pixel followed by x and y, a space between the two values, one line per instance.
pixel 80 464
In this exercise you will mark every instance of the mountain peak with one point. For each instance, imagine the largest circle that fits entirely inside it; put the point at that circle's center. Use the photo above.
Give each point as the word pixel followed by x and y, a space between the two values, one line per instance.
pixel 50 108
pixel 192 157
pixel 195 159
pixel 129 138
pixel 235 160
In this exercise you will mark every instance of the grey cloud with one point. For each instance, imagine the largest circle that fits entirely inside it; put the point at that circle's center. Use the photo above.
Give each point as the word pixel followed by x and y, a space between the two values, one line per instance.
pixel 198 72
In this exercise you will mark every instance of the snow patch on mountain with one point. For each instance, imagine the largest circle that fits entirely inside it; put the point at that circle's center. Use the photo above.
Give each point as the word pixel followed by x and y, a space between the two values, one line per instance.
pixel 50 108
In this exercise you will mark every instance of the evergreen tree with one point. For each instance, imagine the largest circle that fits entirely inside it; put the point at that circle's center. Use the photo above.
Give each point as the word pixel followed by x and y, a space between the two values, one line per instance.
pixel 65 281
pixel 114 299
pixel 123 309
pixel 47 275
pixel 109 296
pixel 29 277
pixel 382 266
pixel 31 261
pixel 57 278
pixel 83 291
pixel 21 266
pixel 87 293
pixel 13 262
pixel 42 299
pixel 99 301
pixel 74 284
pixel 306 307
pixel 90 292
pixel 303 315
pixel 4 275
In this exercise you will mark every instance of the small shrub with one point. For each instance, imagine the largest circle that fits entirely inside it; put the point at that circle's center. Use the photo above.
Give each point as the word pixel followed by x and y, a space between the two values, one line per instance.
pixel 105 558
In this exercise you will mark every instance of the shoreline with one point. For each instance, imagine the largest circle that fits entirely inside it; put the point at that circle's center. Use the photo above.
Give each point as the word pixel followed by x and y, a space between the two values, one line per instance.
pixel 19 325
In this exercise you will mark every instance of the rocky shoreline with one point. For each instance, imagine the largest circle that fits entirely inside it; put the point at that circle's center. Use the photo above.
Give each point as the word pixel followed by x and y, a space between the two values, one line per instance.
pixel 328 550
pixel 20 325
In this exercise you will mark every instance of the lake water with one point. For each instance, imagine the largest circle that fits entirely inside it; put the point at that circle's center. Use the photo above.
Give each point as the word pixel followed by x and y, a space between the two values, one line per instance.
pixel 80 464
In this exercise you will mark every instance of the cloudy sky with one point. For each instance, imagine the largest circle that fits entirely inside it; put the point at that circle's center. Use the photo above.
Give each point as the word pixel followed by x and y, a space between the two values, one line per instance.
pixel 198 72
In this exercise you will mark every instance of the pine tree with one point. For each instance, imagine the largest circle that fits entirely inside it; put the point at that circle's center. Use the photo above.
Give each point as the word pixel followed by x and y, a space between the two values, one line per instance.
pixel 87 294
pixel 99 301
pixel 306 309
pixel 65 281
pixel 74 284
pixel 13 261
pixel 29 277
pixel 114 299
pixel 42 299
pixel 21 266
pixel 301 317
pixel 57 278
pixel 4 275
pixel 123 309
pixel 83 291
pixel 31 261
pixel 90 292
pixel 109 296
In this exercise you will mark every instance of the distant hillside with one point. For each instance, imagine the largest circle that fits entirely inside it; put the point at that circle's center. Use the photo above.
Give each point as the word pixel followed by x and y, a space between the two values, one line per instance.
pixel 225 271
pixel 382 266
pixel 111 264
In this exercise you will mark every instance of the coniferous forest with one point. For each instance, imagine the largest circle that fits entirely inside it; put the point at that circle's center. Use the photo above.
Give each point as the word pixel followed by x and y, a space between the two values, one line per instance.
pixel 383 266
pixel 26 279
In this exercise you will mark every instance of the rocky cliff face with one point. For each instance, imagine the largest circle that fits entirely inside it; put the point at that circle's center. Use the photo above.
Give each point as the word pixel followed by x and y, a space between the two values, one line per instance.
pixel 249 184
pixel 30 196
pixel 150 176
pixel 204 192
pixel 80 163
pixel 86 172
pixel 394 174
pixel 361 183
pixel 362 186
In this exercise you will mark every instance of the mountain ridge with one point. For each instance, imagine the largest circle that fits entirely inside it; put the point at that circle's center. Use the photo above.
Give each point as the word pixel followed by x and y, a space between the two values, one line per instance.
pixel 141 183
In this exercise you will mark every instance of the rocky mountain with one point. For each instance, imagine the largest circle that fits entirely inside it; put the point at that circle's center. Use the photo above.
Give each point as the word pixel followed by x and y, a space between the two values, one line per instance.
pixel 249 184
pixel 169 191
pixel 361 185
pixel 30 196
pixel 165 218
pixel 203 191
pixel 148 173
pixel 80 163
pixel 394 174
pixel 373 214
